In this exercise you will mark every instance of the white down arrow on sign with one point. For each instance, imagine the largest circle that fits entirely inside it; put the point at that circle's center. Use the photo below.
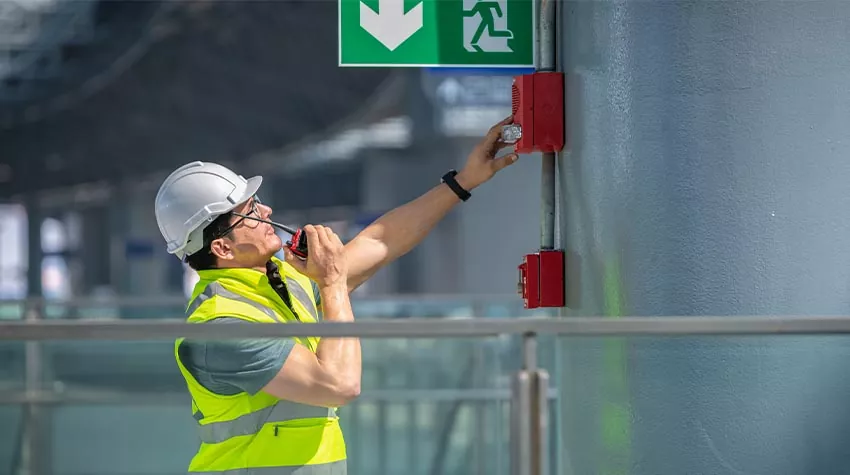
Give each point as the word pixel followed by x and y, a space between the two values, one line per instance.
pixel 390 25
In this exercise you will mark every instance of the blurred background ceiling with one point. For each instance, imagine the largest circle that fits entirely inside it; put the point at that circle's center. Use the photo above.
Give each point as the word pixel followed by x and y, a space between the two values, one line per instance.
pixel 113 90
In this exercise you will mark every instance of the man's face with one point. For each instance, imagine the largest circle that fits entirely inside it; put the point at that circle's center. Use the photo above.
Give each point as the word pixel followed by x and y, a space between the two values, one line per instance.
pixel 250 243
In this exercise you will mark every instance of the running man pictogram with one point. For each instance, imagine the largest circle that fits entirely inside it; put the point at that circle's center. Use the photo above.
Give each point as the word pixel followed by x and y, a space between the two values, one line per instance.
pixel 487 11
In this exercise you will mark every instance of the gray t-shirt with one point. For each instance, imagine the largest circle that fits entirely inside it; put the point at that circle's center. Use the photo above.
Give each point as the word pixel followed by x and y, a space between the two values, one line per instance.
pixel 229 367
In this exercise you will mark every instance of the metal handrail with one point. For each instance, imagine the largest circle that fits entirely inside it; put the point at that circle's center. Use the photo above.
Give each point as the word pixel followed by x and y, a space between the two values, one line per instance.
pixel 99 396
pixel 178 299
pixel 427 328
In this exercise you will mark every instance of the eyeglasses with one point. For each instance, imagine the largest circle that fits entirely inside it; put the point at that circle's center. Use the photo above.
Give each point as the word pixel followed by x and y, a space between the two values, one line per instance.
pixel 250 217
pixel 252 222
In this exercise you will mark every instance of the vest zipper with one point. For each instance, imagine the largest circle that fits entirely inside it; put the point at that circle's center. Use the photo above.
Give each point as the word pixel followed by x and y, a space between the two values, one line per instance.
pixel 292 307
pixel 284 295
pixel 275 430
pixel 288 302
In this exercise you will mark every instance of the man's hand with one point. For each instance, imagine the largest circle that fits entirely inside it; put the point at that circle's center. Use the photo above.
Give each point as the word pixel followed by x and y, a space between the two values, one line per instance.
pixel 482 163
pixel 326 263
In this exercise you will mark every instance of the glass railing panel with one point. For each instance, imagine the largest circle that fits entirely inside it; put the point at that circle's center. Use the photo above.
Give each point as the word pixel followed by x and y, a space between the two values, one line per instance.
pixel 12 354
pixel 428 406
pixel 11 310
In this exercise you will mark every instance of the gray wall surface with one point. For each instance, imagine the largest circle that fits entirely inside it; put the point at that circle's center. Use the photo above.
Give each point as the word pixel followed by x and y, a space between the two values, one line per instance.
pixel 498 226
pixel 707 173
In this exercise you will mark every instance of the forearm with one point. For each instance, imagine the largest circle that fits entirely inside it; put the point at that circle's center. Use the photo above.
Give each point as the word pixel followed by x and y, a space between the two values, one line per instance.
pixel 340 357
pixel 397 232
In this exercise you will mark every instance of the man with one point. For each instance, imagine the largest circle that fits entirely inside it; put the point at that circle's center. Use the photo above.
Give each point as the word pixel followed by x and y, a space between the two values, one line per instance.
pixel 269 406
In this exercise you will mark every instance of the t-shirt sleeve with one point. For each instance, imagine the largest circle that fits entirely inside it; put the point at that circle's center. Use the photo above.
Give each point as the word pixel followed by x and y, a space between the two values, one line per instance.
pixel 229 367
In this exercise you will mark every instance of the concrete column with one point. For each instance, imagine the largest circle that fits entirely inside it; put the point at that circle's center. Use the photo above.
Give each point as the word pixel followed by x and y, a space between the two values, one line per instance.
pixel 35 216
pixel 118 224
pixel 387 183
pixel 707 174
pixel 392 179
pixel 437 259
pixel 74 226
pixel 95 249
pixel 143 247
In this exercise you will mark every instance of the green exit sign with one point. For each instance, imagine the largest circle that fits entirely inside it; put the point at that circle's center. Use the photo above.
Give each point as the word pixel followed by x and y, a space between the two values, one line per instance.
pixel 433 33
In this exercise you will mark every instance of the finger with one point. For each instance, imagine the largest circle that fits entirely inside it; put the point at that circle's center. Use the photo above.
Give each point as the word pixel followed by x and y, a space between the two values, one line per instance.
pixel 335 240
pixel 500 144
pixel 327 236
pixel 322 231
pixel 496 129
pixel 494 135
pixel 313 241
pixel 505 161
pixel 494 148
pixel 507 120
pixel 291 259
pixel 330 234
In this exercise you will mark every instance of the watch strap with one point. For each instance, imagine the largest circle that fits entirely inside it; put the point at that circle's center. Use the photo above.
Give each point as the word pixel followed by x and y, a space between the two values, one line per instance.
pixel 451 182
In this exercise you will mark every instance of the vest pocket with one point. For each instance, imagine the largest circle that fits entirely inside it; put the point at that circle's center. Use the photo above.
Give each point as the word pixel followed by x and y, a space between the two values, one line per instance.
pixel 303 423
pixel 299 442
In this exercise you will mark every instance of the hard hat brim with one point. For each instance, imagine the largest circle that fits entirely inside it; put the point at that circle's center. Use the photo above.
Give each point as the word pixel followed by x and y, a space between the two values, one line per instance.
pixel 251 187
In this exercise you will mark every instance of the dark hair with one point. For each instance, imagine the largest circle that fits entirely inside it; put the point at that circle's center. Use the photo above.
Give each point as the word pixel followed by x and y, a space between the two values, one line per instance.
pixel 204 259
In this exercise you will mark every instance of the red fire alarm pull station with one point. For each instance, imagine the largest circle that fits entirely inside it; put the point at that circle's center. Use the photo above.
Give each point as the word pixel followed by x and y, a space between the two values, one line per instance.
pixel 538 113
pixel 541 279
pixel 538 126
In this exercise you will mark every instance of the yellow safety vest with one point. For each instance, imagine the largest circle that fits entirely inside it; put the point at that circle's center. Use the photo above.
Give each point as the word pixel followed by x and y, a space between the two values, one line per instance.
pixel 260 434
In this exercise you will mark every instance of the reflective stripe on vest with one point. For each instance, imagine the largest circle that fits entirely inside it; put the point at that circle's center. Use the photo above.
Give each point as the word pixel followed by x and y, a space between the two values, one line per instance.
pixel 333 468
pixel 298 292
pixel 214 288
pixel 251 423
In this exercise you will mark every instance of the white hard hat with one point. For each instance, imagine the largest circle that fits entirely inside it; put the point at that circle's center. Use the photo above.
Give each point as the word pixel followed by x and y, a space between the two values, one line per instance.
pixel 192 197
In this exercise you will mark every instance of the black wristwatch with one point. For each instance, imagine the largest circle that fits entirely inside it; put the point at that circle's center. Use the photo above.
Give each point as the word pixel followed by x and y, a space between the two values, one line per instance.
pixel 449 179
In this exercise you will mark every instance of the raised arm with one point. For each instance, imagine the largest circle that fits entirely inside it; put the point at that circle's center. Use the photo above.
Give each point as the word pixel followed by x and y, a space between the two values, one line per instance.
pixel 397 232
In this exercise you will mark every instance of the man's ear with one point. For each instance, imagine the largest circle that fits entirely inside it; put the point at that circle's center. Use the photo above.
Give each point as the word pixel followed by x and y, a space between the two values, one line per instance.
pixel 221 248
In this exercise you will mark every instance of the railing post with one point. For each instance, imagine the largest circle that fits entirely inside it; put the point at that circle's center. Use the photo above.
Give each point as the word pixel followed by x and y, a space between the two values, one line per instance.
pixel 34 456
pixel 529 414
pixel 520 434
pixel 540 418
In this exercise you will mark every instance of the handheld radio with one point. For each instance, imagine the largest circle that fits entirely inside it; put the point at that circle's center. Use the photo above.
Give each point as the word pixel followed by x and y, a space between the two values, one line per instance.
pixel 298 243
